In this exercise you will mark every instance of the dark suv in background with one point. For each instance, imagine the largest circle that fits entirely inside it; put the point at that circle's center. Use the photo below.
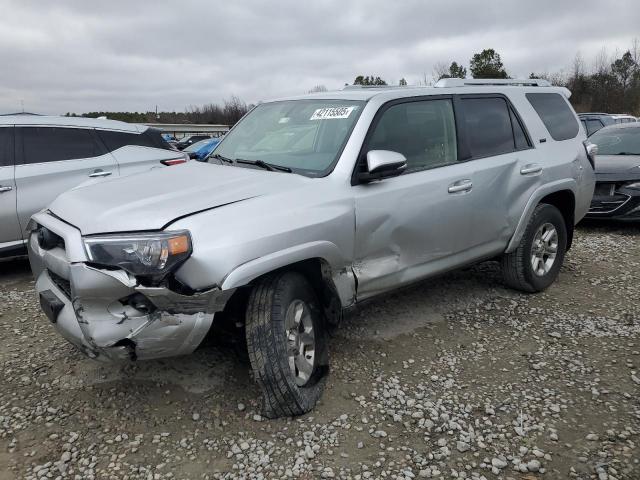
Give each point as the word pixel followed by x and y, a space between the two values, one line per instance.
pixel 592 122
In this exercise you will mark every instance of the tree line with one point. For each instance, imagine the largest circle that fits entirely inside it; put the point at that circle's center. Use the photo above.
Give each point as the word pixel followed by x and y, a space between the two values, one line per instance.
pixel 611 84
pixel 228 113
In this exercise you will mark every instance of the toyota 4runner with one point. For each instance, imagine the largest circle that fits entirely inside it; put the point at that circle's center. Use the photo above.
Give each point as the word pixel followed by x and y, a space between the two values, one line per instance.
pixel 307 207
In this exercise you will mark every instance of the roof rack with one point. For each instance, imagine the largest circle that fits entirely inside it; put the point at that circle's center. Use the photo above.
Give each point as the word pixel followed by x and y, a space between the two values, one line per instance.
pixel 479 82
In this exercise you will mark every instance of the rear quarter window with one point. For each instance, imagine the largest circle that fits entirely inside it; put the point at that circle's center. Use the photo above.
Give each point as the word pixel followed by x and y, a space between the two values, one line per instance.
pixel 555 113
pixel 115 140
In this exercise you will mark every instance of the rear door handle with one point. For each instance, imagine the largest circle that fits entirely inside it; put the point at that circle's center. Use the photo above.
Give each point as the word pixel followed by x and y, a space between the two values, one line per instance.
pixel 5 189
pixel 531 169
pixel 460 186
pixel 99 173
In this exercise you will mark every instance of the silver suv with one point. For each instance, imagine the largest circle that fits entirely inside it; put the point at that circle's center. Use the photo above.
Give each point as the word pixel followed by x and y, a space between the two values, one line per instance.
pixel 309 206
pixel 41 157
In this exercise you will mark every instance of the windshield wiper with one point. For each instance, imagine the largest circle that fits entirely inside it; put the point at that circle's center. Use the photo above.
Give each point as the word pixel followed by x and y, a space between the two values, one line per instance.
pixel 220 157
pixel 628 153
pixel 262 164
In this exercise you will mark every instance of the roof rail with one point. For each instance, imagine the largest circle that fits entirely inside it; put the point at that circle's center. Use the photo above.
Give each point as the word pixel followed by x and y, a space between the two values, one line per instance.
pixel 479 82
pixel 362 87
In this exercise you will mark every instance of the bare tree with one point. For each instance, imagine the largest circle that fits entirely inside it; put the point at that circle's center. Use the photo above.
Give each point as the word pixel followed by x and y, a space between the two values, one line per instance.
pixel 440 70
pixel 602 62
pixel 318 88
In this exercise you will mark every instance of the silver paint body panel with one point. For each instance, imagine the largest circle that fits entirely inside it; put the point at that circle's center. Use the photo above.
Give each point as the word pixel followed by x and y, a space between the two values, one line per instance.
pixel 372 237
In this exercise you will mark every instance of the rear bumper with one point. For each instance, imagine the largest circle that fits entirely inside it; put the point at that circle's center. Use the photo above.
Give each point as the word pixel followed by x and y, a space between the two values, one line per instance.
pixel 107 314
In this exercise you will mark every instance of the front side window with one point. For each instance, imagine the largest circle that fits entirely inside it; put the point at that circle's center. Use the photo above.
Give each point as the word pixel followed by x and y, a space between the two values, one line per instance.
pixel 423 131
pixel 6 146
pixel 555 113
pixel 52 144
pixel 617 141
pixel 306 136
pixel 488 126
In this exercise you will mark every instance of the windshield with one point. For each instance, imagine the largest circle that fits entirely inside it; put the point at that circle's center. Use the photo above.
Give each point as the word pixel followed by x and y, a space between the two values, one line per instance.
pixel 304 135
pixel 617 141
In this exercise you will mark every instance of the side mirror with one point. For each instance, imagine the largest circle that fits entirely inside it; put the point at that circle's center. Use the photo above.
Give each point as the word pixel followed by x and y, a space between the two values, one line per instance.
pixel 383 164
pixel 592 149
pixel 193 155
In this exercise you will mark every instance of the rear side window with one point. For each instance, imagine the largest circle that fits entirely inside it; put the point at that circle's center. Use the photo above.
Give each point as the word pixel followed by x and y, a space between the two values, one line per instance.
pixel 52 144
pixel 488 126
pixel 6 146
pixel 520 138
pixel 115 140
pixel 556 114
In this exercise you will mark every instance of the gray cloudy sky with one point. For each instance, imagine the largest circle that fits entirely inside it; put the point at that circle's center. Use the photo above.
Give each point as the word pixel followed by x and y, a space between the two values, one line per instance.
pixel 80 56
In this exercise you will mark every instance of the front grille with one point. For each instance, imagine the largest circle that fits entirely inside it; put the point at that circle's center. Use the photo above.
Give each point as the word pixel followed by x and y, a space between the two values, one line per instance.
pixel 608 204
pixel 63 284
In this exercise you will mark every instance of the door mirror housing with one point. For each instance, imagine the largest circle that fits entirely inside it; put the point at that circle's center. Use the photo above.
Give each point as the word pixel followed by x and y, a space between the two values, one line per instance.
pixel 383 164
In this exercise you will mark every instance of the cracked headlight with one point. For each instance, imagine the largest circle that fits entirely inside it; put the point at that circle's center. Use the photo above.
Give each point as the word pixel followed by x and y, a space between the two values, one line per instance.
pixel 144 254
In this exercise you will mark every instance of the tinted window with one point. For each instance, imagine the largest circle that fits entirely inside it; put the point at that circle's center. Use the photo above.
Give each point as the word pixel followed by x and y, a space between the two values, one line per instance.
pixel 555 113
pixel 488 125
pixel 6 146
pixel 424 132
pixel 520 138
pixel 156 139
pixel 593 126
pixel 51 144
pixel 115 140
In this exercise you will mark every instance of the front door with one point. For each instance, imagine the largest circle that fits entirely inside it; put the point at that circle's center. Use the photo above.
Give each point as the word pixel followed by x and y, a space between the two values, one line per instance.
pixel 418 223
pixel 10 236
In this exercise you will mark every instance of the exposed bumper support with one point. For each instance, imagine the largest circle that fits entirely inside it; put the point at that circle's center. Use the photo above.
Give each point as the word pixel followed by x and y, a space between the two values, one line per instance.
pixel 108 316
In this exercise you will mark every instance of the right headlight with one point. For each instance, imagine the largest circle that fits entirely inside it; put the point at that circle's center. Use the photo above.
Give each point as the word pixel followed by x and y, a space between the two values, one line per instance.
pixel 145 254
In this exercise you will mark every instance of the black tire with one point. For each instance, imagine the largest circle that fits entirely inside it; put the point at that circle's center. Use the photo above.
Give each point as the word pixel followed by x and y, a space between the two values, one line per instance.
pixel 268 346
pixel 517 268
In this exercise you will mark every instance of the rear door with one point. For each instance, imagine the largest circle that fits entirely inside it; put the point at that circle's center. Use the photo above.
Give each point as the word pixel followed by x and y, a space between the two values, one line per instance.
pixel 10 235
pixel 51 160
pixel 504 169
pixel 138 152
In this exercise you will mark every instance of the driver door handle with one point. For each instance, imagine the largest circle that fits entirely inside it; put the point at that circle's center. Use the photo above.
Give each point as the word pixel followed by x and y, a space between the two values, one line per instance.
pixel 460 186
pixel 531 169
pixel 5 189
pixel 99 173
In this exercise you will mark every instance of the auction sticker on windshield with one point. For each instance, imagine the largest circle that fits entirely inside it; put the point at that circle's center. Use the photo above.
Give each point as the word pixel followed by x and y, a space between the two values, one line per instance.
pixel 332 112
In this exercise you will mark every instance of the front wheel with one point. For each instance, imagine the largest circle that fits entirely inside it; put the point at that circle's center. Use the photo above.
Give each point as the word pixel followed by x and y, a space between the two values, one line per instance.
pixel 286 342
pixel 535 264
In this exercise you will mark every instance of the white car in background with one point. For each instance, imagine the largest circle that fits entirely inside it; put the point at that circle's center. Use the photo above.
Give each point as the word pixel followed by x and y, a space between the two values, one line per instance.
pixel 41 157
pixel 623 118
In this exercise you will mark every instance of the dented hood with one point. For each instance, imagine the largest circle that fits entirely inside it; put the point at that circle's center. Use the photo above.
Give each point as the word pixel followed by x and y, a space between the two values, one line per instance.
pixel 150 200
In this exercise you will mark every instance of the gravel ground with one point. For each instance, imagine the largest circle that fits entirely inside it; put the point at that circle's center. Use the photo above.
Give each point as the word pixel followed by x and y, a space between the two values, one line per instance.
pixel 456 377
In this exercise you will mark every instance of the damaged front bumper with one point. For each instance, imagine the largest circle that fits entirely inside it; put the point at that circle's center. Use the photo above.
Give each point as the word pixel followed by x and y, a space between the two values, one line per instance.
pixel 106 313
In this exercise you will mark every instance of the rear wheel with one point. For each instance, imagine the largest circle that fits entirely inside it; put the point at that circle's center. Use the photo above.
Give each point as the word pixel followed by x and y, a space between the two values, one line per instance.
pixel 535 264
pixel 286 342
